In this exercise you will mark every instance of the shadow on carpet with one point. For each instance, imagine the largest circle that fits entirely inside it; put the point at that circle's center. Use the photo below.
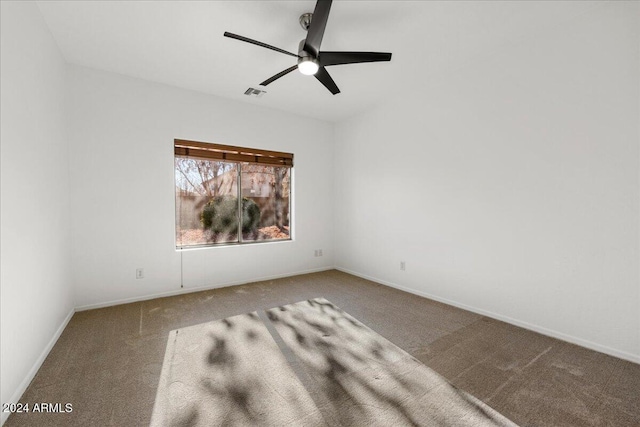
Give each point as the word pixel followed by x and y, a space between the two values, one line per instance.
pixel 303 364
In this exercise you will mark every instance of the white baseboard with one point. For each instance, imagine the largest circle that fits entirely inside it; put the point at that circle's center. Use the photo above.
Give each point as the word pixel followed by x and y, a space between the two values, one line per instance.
pixel 532 327
pixel 196 289
pixel 36 366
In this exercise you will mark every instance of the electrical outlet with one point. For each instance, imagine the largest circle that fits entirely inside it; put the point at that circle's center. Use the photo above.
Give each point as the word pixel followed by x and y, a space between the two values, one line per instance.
pixel 315 252
pixel 139 273
pixel 403 266
pixel 319 252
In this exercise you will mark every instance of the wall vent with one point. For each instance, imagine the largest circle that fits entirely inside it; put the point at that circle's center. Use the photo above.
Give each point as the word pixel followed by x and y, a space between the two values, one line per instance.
pixel 254 92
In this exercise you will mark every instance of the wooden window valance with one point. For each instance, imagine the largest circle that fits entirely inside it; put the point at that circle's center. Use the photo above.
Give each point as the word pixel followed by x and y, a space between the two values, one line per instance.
pixel 205 150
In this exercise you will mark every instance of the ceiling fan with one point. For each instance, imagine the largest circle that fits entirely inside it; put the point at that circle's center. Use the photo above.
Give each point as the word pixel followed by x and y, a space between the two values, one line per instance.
pixel 311 60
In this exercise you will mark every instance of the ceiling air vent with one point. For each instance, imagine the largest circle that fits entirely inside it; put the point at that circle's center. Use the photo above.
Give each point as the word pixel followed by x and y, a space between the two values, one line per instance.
pixel 255 92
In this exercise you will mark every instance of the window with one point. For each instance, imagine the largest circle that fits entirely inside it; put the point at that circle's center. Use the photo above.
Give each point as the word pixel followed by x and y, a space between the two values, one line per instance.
pixel 230 195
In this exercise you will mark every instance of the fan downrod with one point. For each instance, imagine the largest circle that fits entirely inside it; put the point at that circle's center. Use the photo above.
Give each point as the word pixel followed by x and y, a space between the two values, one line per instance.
pixel 305 20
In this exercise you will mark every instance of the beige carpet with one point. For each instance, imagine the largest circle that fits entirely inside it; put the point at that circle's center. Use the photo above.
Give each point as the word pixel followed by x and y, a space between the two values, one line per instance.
pixel 307 363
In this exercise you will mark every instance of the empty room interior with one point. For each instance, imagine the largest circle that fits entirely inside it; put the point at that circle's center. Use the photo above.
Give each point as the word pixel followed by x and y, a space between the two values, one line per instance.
pixel 314 213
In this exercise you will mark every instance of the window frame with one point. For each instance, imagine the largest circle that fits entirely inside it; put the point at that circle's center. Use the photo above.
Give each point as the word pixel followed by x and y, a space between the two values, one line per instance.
pixel 238 155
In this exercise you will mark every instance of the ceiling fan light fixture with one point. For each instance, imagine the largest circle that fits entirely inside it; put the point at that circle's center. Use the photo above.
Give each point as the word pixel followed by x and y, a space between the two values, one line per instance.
pixel 308 66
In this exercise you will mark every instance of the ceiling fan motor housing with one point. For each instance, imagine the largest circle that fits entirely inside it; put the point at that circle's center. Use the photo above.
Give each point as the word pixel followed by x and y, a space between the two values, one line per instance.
pixel 301 52
pixel 304 60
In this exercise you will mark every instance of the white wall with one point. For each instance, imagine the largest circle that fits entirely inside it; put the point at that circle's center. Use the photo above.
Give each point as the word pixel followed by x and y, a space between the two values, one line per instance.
pixel 513 188
pixel 35 281
pixel 122 188
pixel 518 193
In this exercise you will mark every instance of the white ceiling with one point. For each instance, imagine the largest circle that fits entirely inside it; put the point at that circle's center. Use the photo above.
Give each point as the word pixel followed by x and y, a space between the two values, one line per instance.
pixel 181 43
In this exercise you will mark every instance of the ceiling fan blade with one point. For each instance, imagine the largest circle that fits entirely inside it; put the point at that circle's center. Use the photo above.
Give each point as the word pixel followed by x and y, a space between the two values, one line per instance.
pixel 337 58
pixel 248 40
pixel 277 76
pixel 323 77
pixel 316 29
